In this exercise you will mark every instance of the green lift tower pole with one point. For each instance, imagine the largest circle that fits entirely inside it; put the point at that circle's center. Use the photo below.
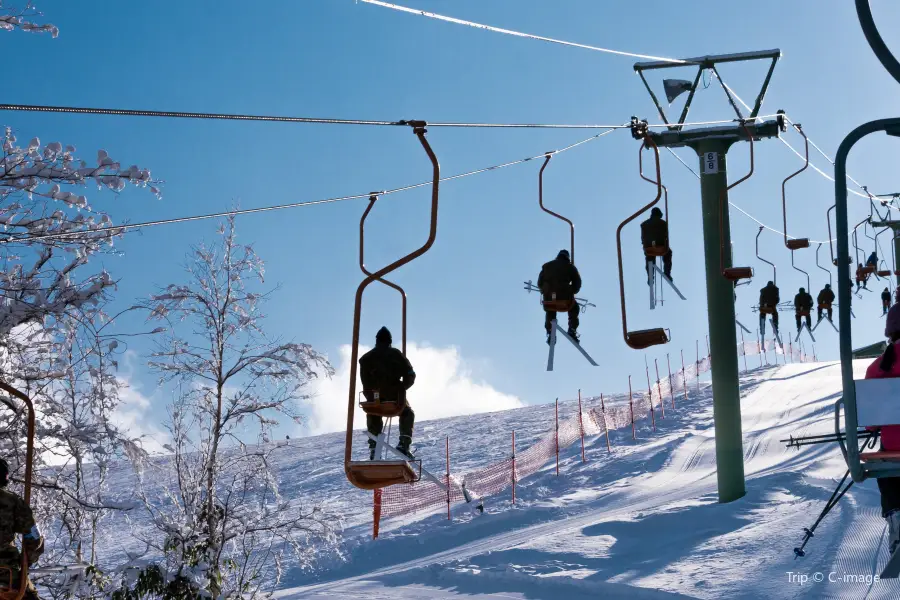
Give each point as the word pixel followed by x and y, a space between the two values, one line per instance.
pixel 722 335
pixel 711 145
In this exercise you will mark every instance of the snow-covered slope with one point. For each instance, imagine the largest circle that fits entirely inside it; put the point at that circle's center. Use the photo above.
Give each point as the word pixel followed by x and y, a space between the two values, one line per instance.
pixel 640 522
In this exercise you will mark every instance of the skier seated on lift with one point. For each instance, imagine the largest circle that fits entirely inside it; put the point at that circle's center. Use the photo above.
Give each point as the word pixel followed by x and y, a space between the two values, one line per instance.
pixel 769 297
pixel 384 369
pixel 862 277
pixel 803 303
pixel 885 301
pixel 559 280
pixel 655 233
pixel 825 299
pixel 16 518
pixel 872 261
pixel 886 366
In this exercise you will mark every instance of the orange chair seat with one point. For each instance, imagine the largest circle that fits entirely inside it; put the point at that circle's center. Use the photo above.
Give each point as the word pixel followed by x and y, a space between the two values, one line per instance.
pixel 867 270
pixel 645 338
pixel 376 404
pixel 883 273
pixel 825 305
pixel 798 244
pixel 738 273
pixel 376 474
pixel 655 251
pixel 882 455
pixel 802 313
pixel 767 310
pixel 559 305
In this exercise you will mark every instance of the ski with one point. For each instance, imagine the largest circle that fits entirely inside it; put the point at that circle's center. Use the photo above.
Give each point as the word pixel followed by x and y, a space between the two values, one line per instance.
pixel 552 346
pixel 669 281
pixel 574 343
pixel 892 568
pixel 741 325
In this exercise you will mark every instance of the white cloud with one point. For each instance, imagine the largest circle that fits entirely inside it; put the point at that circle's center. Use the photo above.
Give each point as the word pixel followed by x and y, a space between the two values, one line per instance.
pixel 444 388
pixel 134 414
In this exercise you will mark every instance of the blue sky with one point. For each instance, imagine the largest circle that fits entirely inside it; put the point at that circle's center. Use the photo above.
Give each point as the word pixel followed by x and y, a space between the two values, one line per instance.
pixel 337 58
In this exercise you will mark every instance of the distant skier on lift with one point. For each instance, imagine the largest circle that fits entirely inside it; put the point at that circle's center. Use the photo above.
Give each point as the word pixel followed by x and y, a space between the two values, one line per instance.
pixel 16 518
pixel 825 299
pixel 655 232
pixel 862 277
pixel 885 366
pixel 559 280
pixel 769 297
pixel 386 370
pixel 803 303
pixel 885 301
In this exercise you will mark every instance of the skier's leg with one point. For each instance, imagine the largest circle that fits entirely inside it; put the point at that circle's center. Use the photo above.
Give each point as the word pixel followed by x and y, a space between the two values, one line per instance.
pixel 573 321
pixel 549 315
pixel 830 313
pixel 407 420
pixel 819 313
pixel 775 321
pixel 375 425
pixel 809 322
pixel 667 263
pixel 797 316
pixel 890 508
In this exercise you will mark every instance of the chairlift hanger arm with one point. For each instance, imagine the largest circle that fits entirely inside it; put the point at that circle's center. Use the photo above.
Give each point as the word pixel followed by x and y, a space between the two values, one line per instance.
pixel 547 158
pixel 362 264
pixel 774 269
pixel 419 130
pixel 733 274
pixel 798 242
pixel 819 247
pixel 796 268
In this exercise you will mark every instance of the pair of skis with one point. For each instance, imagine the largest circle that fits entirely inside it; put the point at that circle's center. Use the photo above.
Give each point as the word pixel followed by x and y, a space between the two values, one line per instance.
pixel 830 322
pixel 553 330
pixel 651 282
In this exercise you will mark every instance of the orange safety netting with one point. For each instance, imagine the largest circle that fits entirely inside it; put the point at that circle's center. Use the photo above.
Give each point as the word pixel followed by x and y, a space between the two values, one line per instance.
pixel 492 479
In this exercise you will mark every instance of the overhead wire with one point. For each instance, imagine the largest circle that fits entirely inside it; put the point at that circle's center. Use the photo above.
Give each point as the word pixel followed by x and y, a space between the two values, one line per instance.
pixel 127 112
pixel 117 229
pixel 431 15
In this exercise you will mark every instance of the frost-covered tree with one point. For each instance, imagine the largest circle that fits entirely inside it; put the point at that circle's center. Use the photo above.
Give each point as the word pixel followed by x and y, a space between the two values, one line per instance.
pixel 224 528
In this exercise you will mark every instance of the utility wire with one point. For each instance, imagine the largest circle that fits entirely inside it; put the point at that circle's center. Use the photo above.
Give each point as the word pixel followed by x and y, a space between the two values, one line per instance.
pixel 541 38
pixel 327 121
pixel 116 229
pixel 741 210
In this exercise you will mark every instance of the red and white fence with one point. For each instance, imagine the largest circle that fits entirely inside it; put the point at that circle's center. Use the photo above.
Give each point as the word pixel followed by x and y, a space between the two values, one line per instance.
pixel 422 495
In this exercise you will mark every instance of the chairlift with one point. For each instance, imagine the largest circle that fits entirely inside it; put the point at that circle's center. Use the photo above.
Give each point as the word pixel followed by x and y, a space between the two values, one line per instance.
pixel 378 474
pixel 733 274
pixel 795 243
pixel 824 305
pixel 643 338
pixel 16 590
pixel 657 251
pixel 554 304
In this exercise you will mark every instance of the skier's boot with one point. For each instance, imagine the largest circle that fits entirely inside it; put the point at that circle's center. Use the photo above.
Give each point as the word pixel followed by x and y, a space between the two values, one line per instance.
pixel 893 519
pixel 549 336
pixel 371 450
pixel 574 335
pixel 403 446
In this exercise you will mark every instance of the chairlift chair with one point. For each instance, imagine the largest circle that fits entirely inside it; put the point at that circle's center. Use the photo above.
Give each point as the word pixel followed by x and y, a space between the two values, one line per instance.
pixel 642 338
pixel 795 243
pixel 376 474
pixel 734 274
pixel 16 590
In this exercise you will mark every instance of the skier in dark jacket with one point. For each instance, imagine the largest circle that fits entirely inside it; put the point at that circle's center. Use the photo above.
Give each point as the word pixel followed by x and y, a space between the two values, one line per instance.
pixel 769 297
pixel 16 518
pixel 386 370
pixel 885 301
pixel 655 233
pixel 825 299
pixel 803 304
pixel 559 280
pixel 872 261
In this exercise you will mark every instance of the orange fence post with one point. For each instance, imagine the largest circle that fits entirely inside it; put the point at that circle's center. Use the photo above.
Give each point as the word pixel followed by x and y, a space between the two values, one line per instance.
pixel 662 404
pixel 671 383
pixel 581 425
pixel 376 513
pixel 684 376
pixel 557 437
pixel 708 353
pixel 791 350
pixel 448 477
pixel 650 394
pixel 744 352
pixel 698 366
pixel 605 426
pixel 631 408
pixel 514 466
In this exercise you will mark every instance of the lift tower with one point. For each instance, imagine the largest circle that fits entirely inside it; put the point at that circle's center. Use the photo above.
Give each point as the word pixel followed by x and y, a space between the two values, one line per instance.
pixel 711 145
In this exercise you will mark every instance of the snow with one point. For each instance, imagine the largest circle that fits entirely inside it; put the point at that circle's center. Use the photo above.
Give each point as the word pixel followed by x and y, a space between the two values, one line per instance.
pixel 640 522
